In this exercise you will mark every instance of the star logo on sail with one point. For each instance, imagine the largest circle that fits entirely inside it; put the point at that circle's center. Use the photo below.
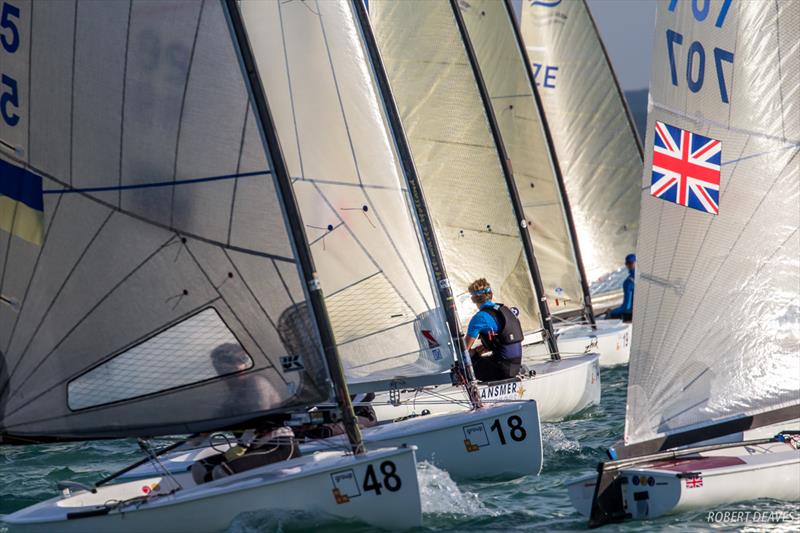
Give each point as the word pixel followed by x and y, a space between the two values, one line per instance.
pixel 686 168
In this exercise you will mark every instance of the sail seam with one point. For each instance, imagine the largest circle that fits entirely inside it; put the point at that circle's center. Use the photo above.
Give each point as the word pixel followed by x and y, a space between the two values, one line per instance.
pixel 238 168
pixel 50 307
pixel 122 104
pixel 181 111
pixel 291 92
pixel 72 92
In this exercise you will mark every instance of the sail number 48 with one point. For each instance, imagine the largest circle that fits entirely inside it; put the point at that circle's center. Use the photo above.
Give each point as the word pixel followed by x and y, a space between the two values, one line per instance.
pixel 516 431
pixel 390 480
pixel 696 53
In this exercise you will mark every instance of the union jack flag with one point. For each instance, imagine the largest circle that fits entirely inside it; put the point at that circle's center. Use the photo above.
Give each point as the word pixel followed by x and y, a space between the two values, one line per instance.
pixel 694 482
pixel 686 168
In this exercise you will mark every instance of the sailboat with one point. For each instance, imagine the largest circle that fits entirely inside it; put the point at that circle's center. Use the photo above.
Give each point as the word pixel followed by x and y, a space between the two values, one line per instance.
pixel 714 383
pixel 156 275
pixel 386 313
pixel 595 142
pixel 474 207
pixel 510 81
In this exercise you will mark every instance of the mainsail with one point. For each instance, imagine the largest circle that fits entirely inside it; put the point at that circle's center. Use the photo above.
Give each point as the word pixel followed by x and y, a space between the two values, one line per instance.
pixel 596 143
pixel 381 296
pixel 716 333
pixel 163 293
pixel 454 151
pixel 515 106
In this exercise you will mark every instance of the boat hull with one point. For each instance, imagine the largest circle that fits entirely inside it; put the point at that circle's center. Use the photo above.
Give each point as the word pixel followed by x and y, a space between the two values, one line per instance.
pixel 560 388
pixel 611 339
pixel 702 481
pixel 330 483
pixel 483 443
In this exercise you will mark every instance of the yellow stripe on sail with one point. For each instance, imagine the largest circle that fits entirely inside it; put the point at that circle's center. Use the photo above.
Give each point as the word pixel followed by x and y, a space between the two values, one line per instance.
pixel 20 220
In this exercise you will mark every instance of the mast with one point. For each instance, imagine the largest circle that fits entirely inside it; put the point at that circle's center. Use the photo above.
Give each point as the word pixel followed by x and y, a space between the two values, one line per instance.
pixel 302 248
pixel 544 310
pixel 588 311
pixel 421 208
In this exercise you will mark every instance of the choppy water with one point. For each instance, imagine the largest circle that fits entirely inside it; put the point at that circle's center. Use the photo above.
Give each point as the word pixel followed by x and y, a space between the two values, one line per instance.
pixel 572 447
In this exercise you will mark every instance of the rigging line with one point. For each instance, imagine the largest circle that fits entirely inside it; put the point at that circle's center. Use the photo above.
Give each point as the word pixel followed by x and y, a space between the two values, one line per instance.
pixel 230 307
pixel 729 255
pixel 500 97
pixel 33 274
pixel 780 76
pixel 122 104
pixel 55 297
pixel 291 92
pixel 359 243
pixel 250 290
pixel 182 109
pixel 365 186
pixel 325 234
pixel 761 154
pixel 331 295
pixel 700 120
pixel 156 184
pixel 238 167
pixel 285 285
pixel 118 352
pixel 453 143
pixel 154 223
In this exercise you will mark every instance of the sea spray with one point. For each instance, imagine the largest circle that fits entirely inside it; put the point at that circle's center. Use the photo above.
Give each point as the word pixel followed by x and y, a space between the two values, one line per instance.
pixel 441 495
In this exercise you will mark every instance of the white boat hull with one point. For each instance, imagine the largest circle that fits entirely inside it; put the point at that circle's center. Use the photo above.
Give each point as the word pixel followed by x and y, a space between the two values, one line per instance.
pixel 502 440
pixel 560 388
pixel 700 482
pixel 379 488
pixel 611 339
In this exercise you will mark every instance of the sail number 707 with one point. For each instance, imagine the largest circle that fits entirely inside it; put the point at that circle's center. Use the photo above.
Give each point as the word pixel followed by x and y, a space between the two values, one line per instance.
pixel 696 53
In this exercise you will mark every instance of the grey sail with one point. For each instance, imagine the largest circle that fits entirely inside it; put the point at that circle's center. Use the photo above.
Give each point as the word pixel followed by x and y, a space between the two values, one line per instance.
pixel 385 311
pixel 162 294
pixel 502 64
pixel 715 334
pixel 595 140
pixel 454 152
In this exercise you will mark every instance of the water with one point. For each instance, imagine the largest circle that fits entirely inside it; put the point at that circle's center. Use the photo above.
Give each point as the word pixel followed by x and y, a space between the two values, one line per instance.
pixel 572 447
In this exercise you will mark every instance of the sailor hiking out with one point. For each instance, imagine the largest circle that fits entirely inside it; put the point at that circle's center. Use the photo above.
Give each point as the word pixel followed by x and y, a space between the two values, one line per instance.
pixel 500 332
pixel 625 311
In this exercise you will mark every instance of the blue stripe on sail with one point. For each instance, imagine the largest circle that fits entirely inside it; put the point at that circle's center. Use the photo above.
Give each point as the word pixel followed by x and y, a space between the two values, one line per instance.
pixel 21 185
pixel 155 184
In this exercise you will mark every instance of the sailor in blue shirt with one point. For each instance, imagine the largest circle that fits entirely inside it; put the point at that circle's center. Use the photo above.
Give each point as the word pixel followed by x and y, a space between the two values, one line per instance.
pixel 500 332
pixel 625 311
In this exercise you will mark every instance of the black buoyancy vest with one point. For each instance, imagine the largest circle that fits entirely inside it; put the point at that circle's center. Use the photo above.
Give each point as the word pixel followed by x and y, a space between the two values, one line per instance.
pixel 509 326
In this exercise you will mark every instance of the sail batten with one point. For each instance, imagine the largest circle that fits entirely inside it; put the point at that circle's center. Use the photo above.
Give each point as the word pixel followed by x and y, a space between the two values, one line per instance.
pixel 715 322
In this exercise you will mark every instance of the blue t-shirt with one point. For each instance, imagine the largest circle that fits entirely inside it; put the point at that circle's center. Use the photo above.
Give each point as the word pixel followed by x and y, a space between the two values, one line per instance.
pixel 627 300
pixel 482 322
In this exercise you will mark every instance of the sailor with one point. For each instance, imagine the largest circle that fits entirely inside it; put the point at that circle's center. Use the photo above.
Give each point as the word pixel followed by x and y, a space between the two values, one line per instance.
pixel 500 332
pixel 625 311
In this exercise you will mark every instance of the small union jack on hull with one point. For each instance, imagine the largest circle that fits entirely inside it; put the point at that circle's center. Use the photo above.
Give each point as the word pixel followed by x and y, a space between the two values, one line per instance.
pixel 686 168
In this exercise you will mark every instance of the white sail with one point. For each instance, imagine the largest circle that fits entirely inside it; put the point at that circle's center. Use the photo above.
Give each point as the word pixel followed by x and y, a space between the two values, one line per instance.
pixel 454 152
pixel 503 68
pixel 596 143
pixel 381 297
pixel 160 292
pixel 718 299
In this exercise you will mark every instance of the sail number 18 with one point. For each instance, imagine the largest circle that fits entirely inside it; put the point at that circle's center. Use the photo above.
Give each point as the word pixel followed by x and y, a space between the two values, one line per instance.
pixel 516 431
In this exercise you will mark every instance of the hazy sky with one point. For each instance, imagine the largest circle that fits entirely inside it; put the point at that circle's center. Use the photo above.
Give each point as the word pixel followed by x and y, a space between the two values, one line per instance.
pixel 627 30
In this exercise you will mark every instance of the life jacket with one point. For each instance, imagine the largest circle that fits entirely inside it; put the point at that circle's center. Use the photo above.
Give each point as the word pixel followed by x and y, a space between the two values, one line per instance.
pixel 507 342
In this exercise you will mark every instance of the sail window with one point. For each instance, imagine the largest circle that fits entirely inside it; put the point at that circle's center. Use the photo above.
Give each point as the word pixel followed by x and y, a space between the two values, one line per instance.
pixel 199 348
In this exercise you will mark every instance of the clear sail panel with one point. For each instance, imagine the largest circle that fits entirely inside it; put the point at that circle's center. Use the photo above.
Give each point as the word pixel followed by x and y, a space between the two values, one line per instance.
pixel 715 332
pixel 385 311
pixel 148 277
pixel 454 152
